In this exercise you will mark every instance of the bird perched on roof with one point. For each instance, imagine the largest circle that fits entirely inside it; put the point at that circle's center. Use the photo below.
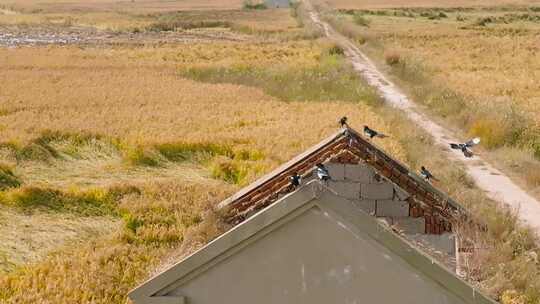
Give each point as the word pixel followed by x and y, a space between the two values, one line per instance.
pixel 295 179
pixel 426 174
pixel 322 173
pixel 372 133
pixel 343 122
pixel 465 146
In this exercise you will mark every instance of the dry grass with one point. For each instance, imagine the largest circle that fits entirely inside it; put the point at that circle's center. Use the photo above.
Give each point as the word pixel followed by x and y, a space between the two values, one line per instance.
pixel 74 119
pixel 26 238
pixel 141 100
pixel 78 118
pixel 480 76
pixel 378 4
pixel 140 6
pixel 103 271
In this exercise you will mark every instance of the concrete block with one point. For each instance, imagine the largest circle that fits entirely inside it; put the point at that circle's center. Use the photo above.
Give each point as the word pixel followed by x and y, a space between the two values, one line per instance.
pixel 336 170
pixel 380 191
pixel 361 173
pixel 347 190
pixel 410 225
pixel 367 206
pixel 445 243
pixel 400 194
pixel 392 208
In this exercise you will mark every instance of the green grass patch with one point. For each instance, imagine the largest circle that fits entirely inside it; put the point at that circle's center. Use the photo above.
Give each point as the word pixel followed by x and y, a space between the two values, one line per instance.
pixel 182 151
pixel 331 80
pixel 173 24
pixel 253 5
pixel 94 202
pixel 235 171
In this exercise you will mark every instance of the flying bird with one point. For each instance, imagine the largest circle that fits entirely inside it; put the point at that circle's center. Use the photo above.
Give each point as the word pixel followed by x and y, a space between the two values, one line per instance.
pixel 465 147
pixel 426 174
pixel 322 173
pixel 296 180
pixel 343 122
pixel 372 133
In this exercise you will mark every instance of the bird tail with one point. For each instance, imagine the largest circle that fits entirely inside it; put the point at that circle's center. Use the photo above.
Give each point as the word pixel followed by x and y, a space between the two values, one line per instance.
pixel 468 153
pixel 455 146
pixel 380 135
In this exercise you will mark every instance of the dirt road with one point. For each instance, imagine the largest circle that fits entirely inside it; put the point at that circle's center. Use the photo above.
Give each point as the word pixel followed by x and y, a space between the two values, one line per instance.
pixel 495 184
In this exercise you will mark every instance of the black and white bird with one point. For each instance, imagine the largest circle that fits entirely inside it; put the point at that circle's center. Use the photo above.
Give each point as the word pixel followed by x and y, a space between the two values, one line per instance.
pixel 322 173
pixel 343 122
pixel 372 133
pixel 465 147
pixel 427 175
pixel 295 179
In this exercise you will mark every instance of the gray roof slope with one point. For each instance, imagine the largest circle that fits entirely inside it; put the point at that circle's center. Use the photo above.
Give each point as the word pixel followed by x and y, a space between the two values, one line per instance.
pixel 154 290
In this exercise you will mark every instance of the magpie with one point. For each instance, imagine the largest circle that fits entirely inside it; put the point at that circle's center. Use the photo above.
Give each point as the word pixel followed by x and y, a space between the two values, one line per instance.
pixel 322 172
pixel 426 174
pixel 464 147
pixel 372 133
pixel 295 179
pixel 343 122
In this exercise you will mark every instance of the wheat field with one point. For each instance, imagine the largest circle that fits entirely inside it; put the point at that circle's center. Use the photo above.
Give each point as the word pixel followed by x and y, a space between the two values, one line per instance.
pixel 379 4
pixel 73 118
pixel 113 154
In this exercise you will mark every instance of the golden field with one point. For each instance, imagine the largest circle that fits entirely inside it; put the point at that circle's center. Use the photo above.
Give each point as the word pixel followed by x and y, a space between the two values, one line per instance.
pixel 113 155
pixel 379 4
pixel 124 136
pixel 140 6
pixel 477 69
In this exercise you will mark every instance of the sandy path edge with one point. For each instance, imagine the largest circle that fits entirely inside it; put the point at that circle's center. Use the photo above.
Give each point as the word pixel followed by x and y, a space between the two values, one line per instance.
pixel 496 184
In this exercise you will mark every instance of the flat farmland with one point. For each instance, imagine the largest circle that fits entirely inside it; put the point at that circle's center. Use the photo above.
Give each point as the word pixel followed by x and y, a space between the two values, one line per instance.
pixel 375 4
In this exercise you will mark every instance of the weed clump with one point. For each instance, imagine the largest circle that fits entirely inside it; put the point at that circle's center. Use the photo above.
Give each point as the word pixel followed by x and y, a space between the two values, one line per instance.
pixel 8 178
pixel 140 155
pixel 252 5
pixel 173 25
pixel 360 20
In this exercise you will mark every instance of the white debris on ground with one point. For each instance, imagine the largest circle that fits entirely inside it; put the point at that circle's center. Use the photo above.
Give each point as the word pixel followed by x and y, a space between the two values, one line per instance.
pixel 13 39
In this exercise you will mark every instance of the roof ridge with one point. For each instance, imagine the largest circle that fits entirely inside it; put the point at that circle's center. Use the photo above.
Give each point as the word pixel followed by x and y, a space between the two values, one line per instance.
pixel 266 189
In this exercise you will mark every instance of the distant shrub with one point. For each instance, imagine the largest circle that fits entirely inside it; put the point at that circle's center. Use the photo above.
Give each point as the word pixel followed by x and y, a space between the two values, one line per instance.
pixel 250 4
pixel 392 58
pixel 335 50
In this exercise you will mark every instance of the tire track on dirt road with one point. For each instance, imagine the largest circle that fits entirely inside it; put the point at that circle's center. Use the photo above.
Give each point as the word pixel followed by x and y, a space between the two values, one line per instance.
pixel 496 184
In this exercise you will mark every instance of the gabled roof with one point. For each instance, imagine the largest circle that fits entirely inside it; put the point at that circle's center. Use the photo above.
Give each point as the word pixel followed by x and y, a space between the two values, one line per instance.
pixel 159 290
pixel 346 146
